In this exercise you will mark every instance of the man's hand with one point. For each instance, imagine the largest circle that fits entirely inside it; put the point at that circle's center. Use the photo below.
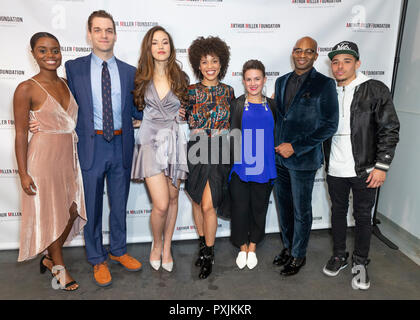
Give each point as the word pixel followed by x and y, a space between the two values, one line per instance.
pixel 136 123
pixel 285 150
pixel 33 126
pixel 376 178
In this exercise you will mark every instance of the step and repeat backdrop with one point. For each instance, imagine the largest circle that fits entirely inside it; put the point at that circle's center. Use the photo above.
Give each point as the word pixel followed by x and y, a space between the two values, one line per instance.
pixel 264 30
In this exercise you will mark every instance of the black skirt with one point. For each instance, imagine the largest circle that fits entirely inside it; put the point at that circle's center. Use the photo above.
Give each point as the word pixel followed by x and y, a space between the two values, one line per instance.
pixel 213 167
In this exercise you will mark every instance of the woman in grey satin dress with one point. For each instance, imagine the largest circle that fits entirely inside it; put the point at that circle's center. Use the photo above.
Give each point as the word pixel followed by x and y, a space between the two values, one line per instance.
pixel 160 153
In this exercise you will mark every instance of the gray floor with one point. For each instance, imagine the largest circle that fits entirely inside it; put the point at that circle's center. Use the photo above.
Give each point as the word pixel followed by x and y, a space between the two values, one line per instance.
pixel 393 275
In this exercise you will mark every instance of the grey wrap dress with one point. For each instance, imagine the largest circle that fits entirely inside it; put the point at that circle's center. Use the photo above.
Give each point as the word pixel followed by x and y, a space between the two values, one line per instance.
pixel 161 144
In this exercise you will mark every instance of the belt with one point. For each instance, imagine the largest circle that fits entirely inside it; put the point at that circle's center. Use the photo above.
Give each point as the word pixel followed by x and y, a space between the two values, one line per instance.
pixel 116 132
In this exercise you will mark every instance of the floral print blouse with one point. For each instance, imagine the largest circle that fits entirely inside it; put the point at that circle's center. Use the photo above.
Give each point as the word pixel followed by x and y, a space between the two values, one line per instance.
pixel 209 107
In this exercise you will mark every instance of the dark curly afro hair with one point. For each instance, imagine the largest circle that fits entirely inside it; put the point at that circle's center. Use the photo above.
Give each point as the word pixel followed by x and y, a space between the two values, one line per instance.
pixel 214 46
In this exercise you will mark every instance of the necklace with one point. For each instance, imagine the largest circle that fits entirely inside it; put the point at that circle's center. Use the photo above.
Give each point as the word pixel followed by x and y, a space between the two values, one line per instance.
pixel 263 102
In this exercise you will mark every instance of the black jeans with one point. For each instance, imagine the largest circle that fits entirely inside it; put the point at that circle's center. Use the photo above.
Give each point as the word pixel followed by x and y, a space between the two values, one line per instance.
pixel 249 210
pixel 363 202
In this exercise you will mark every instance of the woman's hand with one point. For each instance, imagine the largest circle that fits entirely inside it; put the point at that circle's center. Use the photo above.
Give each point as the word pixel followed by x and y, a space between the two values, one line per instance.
pixel 28 185
pixel 182 113
pixel 33 126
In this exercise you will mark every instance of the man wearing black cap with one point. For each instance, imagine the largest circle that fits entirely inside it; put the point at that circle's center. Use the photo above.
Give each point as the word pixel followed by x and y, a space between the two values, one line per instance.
pixel 357 157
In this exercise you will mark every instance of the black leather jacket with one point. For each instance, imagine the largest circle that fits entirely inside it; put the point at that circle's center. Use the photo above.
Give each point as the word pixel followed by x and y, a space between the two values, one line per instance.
pixel 374 128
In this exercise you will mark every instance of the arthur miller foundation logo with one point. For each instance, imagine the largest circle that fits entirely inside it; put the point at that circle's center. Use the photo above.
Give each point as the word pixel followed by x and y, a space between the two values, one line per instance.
pixel 139 212
pixel 268 74
pixel 8 173
pixel 75 50
pixel 192 228
pixel 10 214
pixel 186 228
pixel 7 123
pixel 181 52
pixel 10 21
pixel 323 51
pixel 307 3
pixel 367 26
pixel 358 22
pixel 132 26
pixel 373 73
pixel 255 27
pixel 198 3
pixel 11 74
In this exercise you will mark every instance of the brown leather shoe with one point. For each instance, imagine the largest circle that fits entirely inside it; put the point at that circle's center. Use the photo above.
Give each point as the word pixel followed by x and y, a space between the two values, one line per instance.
pixel 101 274
pixel 127 261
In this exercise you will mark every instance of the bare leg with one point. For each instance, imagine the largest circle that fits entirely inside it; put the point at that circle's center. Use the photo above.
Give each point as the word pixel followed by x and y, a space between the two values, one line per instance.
pixel 252 247
pixel 170 221
pixel 209 216
pixel 244 248
pixel 158 189
pixel 55 249
pixel 198 218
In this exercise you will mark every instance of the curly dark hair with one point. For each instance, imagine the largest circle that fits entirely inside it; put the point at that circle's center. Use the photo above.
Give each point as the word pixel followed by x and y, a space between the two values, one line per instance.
pixel 214 46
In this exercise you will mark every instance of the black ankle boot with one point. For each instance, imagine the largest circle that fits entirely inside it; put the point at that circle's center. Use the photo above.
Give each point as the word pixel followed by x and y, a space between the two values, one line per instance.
pixel 208 262
pixel 201 246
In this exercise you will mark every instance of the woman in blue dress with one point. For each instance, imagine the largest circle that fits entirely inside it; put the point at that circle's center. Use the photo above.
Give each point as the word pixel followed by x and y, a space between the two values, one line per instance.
pixel 252 176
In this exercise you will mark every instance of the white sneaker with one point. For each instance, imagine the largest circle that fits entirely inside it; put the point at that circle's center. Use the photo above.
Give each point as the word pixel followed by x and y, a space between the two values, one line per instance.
pixel 252 260
pixel 241 259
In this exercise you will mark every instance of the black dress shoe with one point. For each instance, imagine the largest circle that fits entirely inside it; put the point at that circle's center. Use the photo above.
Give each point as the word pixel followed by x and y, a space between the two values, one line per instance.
pixel 293 266
pixel 282 258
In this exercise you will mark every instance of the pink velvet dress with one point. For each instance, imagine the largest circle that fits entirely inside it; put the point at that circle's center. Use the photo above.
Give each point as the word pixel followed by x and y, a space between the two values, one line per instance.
pixel 53 165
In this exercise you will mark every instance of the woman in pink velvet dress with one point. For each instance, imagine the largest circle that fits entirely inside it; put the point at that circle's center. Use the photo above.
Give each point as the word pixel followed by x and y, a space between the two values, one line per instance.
pixel 53 208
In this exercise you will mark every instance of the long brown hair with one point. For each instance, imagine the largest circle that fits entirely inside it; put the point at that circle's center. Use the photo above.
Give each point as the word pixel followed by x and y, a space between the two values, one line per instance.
pixel 177 78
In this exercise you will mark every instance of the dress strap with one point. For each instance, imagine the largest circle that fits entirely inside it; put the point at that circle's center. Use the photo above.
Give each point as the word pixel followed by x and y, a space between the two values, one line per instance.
pixel 65 84
pixel 45 90
pixel 40 85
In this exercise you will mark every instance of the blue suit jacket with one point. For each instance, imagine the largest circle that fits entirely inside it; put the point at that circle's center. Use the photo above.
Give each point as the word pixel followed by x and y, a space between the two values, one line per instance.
pixel 78 78
pixel 311 119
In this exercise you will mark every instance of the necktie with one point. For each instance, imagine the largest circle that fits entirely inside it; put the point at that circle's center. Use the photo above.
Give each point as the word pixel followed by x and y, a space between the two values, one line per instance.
pixel 107 116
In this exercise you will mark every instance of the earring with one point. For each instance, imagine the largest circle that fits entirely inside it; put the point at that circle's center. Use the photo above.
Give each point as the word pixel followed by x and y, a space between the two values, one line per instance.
pixel 246 104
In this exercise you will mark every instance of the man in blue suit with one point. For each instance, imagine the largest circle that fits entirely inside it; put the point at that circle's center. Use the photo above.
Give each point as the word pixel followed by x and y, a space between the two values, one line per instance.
pixel 307 116
pixel 102 86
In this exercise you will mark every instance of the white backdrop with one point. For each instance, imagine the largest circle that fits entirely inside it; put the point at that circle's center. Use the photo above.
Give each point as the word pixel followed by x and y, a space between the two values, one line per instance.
pixel 263 29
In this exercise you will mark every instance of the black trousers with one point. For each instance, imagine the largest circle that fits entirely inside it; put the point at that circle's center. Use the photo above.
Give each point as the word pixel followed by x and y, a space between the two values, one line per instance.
pixel 363 202
pixel 249 210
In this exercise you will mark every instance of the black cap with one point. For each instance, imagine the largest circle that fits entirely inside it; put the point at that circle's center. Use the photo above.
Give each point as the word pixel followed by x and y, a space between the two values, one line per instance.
pixel 344 47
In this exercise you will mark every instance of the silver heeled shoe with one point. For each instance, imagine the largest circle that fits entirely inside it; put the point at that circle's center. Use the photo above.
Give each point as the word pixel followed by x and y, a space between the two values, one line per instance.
pixel 154 263
pixel 168 266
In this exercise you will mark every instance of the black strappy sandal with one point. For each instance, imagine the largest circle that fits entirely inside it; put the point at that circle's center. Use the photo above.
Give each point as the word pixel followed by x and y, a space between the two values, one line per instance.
pixel 42 266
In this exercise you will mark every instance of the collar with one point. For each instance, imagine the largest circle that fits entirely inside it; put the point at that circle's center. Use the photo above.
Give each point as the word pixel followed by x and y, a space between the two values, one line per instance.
pixel 302 76
pixel 98 61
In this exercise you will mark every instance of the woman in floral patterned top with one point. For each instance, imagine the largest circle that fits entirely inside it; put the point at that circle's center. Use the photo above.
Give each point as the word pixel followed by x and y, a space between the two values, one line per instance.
pixel 208 114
